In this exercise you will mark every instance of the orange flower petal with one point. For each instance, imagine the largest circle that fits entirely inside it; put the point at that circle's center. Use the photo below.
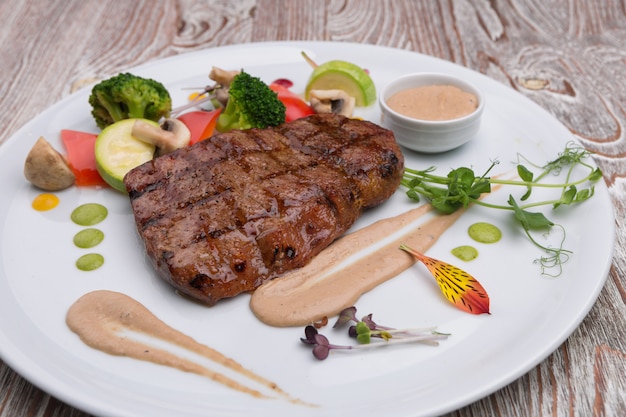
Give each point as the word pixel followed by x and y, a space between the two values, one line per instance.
pixel 459 287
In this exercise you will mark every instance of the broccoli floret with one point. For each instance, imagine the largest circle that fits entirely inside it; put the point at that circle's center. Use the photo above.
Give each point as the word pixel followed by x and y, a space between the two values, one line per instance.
pixel 127 96
pixel 251 103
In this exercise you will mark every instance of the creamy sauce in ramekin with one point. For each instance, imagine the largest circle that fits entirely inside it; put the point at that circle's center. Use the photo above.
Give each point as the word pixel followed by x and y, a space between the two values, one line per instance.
pixel 433 102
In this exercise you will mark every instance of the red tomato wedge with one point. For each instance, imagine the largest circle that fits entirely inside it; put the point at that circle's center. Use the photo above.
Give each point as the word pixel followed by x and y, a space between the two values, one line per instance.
pixel 81 157
pixel 201 124
pixel 296 106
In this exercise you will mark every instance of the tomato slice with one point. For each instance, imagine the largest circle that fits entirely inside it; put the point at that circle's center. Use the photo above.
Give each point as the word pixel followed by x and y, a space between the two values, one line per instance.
pixel 81 157
pixel 201 124
pixel 295 105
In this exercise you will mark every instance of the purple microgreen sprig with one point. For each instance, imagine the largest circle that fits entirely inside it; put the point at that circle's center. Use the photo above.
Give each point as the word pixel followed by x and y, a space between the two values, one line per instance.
pixel 321 345
pixel 365 330
pixel 346 316
pixel 367 327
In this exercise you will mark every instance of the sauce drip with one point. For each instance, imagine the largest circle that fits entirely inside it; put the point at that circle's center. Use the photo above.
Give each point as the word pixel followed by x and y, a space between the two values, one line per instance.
pixel 90 262
pixel 45 202
pixel 465 253
pixel 484 232
pixel 351 266
pixel 88 238
pixel 99 318
pixel 433 102
pixel 89 214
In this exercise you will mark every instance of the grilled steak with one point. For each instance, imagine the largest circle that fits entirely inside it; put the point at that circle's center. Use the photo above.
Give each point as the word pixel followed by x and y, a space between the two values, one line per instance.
pixel 225 215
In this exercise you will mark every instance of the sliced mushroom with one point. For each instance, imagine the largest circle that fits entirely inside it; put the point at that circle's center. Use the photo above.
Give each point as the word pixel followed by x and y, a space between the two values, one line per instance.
pixel 222 76
pixel 332 101
pixel 173 134
pixel 223 79
pixel 46 168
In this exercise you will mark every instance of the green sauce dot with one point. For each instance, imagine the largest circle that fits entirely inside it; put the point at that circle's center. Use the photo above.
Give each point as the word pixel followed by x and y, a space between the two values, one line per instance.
pixel 465 253
pixel 89 262
pixel 89 214
pixel 484 232
pixel 88 238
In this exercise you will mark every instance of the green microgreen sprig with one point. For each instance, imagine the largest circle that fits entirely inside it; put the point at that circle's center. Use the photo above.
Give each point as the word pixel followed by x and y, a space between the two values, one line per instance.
pixel 462 187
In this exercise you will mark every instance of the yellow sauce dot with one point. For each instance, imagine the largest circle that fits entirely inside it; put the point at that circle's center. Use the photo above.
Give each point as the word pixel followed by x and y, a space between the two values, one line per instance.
pixel 45 202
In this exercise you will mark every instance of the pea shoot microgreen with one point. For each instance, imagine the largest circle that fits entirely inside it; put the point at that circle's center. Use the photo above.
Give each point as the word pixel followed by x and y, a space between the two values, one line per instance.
pixel 368 335
pixel 462 187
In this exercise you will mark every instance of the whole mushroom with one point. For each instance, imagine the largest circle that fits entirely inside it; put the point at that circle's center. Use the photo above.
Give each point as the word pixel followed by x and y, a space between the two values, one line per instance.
pixel 46 168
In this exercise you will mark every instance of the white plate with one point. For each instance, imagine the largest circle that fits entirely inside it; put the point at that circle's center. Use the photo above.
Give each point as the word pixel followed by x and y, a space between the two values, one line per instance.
pixel 531 314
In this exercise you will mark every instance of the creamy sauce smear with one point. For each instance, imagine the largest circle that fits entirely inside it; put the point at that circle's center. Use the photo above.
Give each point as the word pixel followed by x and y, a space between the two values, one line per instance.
pixel 434 102
pixel 99 318
pixel 353 265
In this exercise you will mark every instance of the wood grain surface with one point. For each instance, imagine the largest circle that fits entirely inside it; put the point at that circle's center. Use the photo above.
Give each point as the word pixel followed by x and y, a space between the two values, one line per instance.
pixel 569 56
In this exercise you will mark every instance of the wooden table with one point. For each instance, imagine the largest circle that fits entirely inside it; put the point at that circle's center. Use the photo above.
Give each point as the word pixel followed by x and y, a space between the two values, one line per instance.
pixel 569 56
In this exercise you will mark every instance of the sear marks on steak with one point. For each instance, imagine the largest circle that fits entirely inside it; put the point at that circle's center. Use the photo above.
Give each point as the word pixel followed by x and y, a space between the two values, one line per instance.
pixel 225 215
